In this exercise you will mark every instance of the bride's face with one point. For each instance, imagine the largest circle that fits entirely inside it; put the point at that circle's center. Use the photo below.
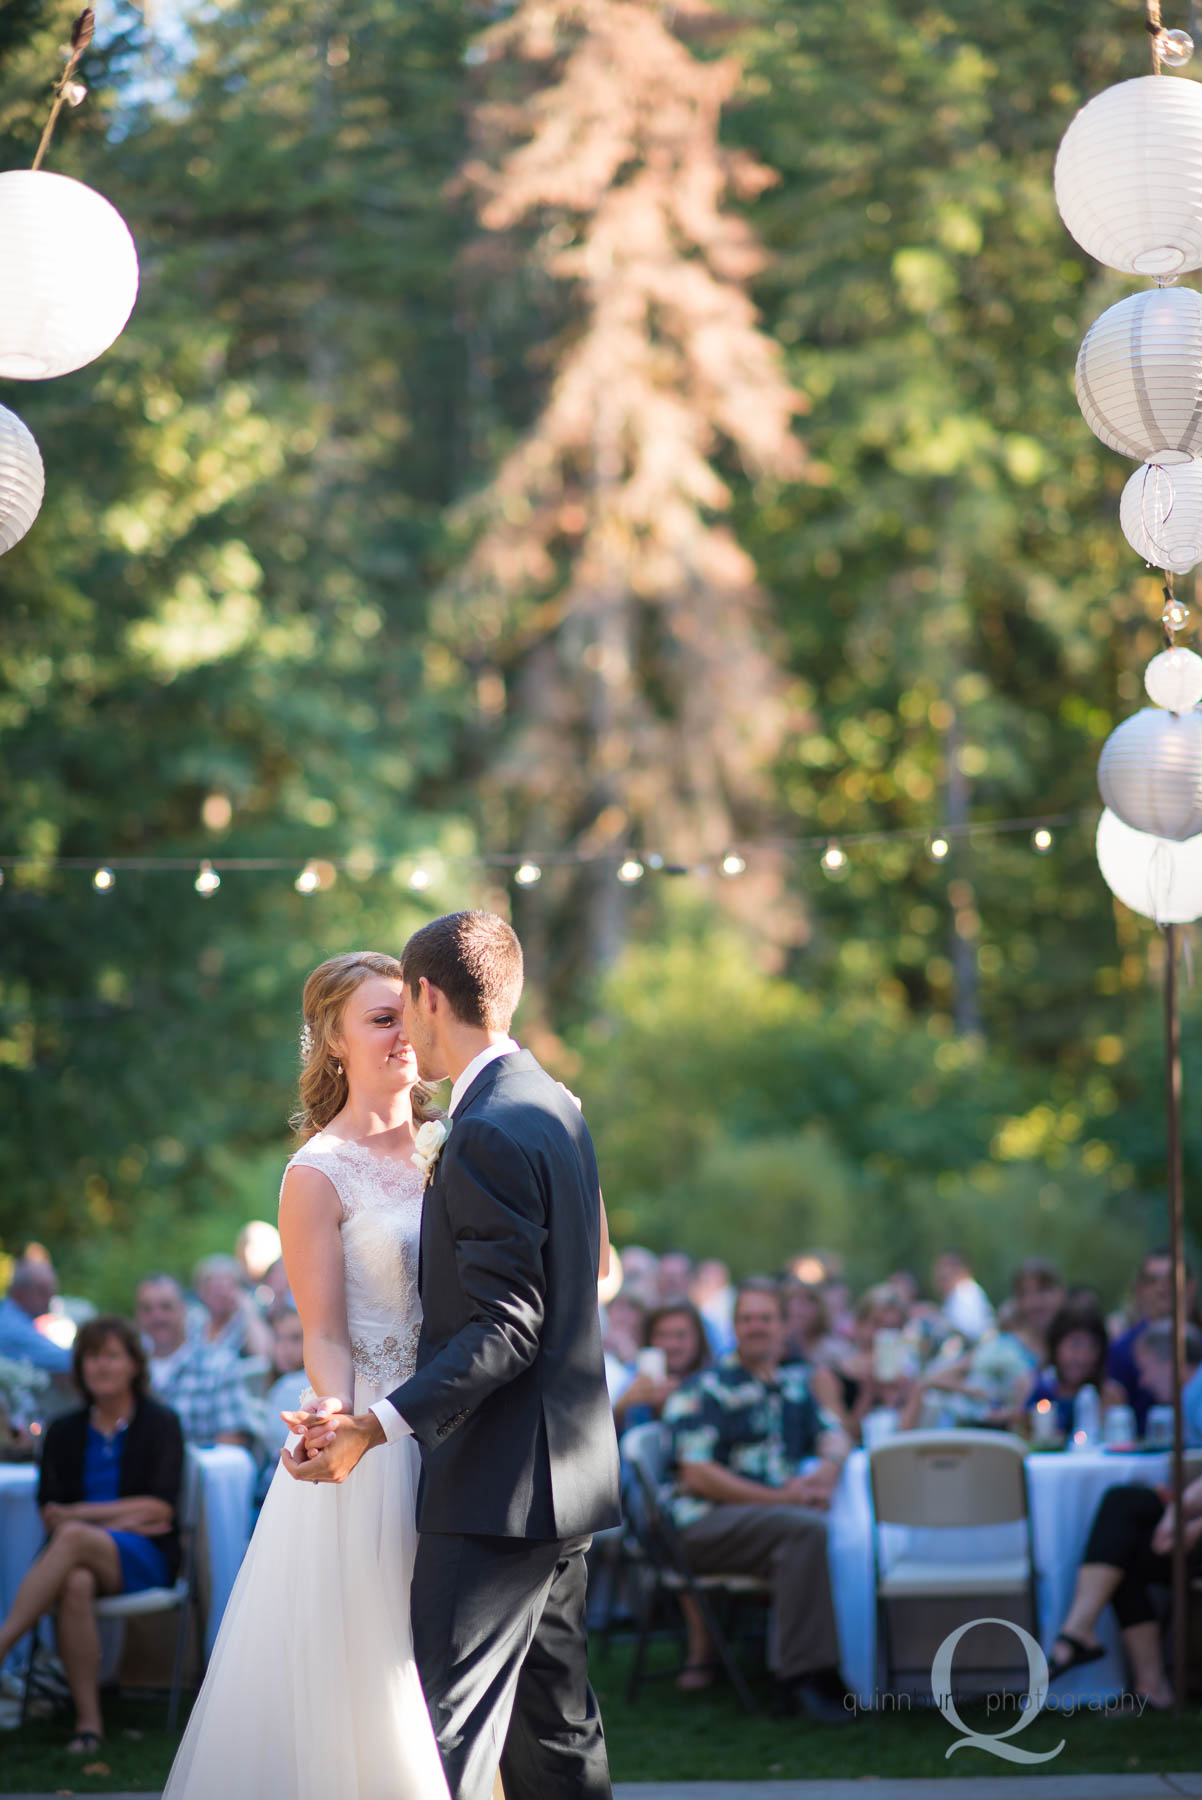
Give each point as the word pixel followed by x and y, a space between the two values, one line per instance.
pixel 372 1044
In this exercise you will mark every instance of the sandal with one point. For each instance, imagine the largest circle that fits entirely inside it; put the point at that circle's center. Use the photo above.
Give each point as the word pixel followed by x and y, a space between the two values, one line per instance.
pixel 695 1676
pixel 84 1743
pixel 1081 1653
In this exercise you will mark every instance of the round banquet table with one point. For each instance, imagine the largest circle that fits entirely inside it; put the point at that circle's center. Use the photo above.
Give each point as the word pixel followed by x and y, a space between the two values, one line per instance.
pixel 1063 1491
pixel 227 1475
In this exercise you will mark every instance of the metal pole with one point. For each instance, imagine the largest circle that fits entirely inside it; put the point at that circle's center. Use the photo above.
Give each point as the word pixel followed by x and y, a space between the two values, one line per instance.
pixel 1172 1060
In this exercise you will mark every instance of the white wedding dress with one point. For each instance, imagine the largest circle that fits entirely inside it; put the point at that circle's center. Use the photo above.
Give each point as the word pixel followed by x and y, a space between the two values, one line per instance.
pixel 312 1692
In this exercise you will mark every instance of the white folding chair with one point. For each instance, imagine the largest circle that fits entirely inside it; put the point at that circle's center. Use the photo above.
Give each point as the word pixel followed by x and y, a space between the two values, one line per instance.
pixel 952 1544
pixel 181 1596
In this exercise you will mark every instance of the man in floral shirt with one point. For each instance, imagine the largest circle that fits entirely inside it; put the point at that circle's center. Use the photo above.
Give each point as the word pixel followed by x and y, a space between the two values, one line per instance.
pixel 740 1432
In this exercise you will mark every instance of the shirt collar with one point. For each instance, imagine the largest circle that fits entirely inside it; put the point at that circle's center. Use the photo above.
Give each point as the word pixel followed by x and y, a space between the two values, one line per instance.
pixel 505 1047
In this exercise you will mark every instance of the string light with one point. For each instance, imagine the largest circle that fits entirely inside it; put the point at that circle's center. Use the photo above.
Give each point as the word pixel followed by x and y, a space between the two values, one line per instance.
pixel 733 864
pixel 308 881
pixel 527 874
pixel 1042 841
pixel 208 880
pixel 631 871
pixel 939 848
pixel 834 859
pixel 103 880
pixel 420 880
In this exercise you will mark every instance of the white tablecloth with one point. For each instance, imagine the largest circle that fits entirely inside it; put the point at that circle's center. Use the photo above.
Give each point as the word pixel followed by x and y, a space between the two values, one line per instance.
pixel 227 1481
pixel 1063 1491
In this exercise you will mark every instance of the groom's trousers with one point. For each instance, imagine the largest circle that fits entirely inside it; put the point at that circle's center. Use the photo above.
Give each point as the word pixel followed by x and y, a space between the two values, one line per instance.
pixel 499 1635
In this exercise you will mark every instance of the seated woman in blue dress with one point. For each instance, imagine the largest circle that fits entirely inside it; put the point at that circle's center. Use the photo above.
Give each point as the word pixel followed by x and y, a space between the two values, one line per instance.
pixel 109 1488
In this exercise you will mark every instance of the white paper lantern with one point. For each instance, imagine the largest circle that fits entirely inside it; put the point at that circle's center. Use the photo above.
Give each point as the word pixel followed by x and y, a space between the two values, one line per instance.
pixel 1150 773
pixel 1174 679
pixel 1161 515
pixel 1129 176
pixel 1139 376
pixel 22 479
pixel 68 274
pixel 1152 876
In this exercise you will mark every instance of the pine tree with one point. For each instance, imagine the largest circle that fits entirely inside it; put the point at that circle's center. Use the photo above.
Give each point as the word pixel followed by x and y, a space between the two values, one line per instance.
pixel 612 623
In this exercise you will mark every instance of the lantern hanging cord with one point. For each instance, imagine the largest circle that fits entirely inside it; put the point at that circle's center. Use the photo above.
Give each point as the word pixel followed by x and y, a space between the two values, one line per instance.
pixel 1154 29
pixel 68 92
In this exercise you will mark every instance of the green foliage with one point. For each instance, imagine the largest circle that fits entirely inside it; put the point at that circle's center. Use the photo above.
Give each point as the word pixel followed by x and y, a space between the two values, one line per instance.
pixel 217 640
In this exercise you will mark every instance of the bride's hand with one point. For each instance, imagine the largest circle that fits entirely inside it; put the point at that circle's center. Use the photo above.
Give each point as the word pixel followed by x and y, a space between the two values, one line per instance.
pixel 310 1420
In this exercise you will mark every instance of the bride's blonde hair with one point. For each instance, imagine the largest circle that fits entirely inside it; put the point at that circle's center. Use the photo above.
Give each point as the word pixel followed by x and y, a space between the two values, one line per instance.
pixel 323 1085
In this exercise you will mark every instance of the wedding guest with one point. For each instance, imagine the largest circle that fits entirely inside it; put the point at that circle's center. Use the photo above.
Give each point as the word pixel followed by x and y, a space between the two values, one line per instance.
pixel 808 1334
pixel 232 1321
pixel 31 1288
pixel 1154 1359
pixel 740 1431
pixel 862 1380
pixel 675 1329
pixel 1152 1299
pixel 1077 1346
pixel 1129 1550
pixel 640 1274
pixel 674 1276
pixel 256 1248
pixel 203 1385
pixel 622 1330
pixel 713 1294
pixel 965 1305
pixel 997 1376
pixel 108 1492
pixel 287 1382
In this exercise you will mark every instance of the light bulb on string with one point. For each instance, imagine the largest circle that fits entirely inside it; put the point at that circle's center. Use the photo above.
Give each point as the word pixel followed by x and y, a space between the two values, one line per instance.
pixel 527 874
pixel 104 880
pixel 207 881
pixel 631 870
pixel 1174 48
pixel 733 864
pixel 308 881
pixel 1042 841
pixel 834 859
pixel 938 848
pixel 420 880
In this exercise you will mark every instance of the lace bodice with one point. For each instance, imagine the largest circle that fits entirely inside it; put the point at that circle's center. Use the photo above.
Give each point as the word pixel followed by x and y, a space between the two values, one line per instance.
pixel 381 1223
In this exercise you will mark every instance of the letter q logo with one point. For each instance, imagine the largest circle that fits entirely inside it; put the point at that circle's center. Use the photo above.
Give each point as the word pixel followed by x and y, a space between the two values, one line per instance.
pixel 994 1742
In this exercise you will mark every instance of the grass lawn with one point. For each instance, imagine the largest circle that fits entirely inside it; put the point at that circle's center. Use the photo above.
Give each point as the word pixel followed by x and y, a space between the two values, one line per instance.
pixel 669 1736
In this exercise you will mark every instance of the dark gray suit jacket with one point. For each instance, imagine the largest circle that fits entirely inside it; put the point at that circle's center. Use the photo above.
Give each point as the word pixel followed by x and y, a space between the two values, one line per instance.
pixel 509 1402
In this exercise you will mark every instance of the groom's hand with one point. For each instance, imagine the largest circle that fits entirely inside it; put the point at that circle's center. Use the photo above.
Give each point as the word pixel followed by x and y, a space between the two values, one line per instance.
pixel 333 1446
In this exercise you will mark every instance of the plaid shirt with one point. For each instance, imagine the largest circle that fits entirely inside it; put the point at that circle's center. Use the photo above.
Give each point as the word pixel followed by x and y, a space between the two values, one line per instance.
pixel 762 1430
pixel 205 1388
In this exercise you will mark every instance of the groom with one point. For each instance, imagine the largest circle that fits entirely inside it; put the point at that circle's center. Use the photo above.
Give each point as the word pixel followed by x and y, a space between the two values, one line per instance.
pixel 508 1401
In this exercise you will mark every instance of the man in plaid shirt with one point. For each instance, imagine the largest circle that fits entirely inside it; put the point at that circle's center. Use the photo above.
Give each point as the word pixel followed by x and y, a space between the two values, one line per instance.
pixel 740 1432
pixel 204 1386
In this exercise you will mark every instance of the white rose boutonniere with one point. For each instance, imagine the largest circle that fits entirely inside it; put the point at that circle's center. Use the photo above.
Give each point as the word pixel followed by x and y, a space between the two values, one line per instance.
pixel 427 1145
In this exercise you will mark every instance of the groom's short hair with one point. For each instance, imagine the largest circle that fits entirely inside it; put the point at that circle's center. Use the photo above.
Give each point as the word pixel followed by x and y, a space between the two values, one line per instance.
pixel 475 959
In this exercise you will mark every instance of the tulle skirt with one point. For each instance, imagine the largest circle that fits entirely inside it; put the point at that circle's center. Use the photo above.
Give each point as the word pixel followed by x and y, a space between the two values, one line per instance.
pixel 312 1692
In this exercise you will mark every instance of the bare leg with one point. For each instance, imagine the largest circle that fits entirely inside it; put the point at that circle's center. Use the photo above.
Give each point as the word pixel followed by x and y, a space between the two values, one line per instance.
pixel 699 1651
pixel 1142 1644
pixel 79 1647
pixel 73 1546
pixel 1096 1586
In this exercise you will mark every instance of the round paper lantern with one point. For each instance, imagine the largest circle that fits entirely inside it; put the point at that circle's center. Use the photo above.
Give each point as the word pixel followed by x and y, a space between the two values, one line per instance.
pixel 68 274
pixel 1174 679
pixel 1139 376
pixel 22 479
pixel 1150 772
pixel 1129 176
pixel 1161 515
pixel 1152 876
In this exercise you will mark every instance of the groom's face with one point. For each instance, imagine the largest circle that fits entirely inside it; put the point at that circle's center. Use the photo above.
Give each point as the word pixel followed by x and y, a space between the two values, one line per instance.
pixel 421 1029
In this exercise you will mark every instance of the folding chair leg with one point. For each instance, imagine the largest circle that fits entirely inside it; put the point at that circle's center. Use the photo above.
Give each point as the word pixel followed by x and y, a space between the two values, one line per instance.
pixel 646 1617
pixel 721 1644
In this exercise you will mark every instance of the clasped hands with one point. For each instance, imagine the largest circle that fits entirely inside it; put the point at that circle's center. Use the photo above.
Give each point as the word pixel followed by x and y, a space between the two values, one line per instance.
pixel 333 1440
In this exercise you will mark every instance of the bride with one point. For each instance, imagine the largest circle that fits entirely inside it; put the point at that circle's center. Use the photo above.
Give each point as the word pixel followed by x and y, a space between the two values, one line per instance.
pixel 312 1690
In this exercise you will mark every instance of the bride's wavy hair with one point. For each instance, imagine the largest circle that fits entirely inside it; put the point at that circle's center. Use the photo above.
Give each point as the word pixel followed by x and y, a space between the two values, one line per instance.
pixel 323 1085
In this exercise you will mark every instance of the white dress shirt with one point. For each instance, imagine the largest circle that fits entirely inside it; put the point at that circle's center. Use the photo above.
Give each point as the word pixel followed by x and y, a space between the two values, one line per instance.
pixel 394 1425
